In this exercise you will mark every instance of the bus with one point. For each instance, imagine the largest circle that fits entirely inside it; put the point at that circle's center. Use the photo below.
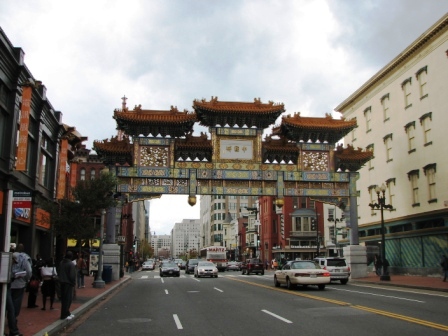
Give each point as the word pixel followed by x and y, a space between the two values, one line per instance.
pixel 217 255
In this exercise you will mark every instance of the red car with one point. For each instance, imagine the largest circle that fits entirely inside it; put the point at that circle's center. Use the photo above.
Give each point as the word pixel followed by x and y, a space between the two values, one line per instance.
pixel 253 265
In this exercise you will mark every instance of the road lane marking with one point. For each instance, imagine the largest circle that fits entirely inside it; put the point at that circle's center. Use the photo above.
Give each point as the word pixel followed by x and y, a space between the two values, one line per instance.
pixel 177 321
pixel 403 318
pixel 166 291
pixel 161 279
pixel 373 294
pixel 145 276
pixel 276 316
pixel 219 290
pixel 371 310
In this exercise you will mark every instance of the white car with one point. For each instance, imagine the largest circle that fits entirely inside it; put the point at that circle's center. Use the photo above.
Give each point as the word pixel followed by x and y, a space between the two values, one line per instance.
pixel 205 268
pixel 301 272
pixel 148 265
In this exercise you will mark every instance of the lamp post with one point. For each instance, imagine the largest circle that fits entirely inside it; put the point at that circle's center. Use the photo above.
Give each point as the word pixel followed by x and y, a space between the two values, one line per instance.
pixel 336 220
pixel 99 282
pixel 257 224
pixel 381 205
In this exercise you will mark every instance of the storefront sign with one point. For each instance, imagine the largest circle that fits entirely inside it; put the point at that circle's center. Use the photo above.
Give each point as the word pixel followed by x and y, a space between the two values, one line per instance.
pixel 21 205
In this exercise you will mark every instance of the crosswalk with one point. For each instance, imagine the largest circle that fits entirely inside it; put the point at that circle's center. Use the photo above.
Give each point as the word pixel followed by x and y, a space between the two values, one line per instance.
pixel 152 275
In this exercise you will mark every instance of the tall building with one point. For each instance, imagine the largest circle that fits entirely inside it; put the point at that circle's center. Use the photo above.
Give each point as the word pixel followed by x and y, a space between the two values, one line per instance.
pixel 185 238
pixel 402 116
pixel 161 245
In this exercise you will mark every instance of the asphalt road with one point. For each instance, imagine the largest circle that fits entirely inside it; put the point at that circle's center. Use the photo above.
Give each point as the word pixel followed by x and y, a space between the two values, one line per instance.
pixel 234 304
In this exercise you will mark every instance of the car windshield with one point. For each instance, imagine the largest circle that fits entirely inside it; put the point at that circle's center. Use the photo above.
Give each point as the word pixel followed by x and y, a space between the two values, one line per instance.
pixel 304 265
pixel 336 262
pixel 206 263
pixel 147 263
pixel 169 264
pixel 192 262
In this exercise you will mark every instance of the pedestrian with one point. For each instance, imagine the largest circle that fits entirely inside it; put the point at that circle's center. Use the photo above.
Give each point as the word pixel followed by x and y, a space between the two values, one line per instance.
pixel 131 265
pixel 81 267
pixel 378 264
pixel 33 285
pixel 22 271
pixel 67 281
pixel 48 289
pixel 10 312
pixel 444 264
pixel 386 267
pixel 274 264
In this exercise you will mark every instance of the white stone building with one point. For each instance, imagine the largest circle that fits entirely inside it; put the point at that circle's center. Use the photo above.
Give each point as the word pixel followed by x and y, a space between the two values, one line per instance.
pixel 185 238
pixel 402 113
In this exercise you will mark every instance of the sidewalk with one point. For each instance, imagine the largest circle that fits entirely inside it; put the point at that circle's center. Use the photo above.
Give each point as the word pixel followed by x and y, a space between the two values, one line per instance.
pixel 417 282
pixel 38 322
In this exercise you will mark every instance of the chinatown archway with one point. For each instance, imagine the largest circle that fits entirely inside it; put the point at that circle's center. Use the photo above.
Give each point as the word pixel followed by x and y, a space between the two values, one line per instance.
pixel 156 153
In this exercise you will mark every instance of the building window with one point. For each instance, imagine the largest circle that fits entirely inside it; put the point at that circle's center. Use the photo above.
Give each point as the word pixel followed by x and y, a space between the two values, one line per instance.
pixel 388 144
pixel 421 77
pixel 368 118
pixel 430 172
pixel 82 173
pixel 385 103
pixel 426 122
pixel 370 162
pixel 302 224
pixel 410 131
pixel 92 174
pixel 373 197
pixel 406 87
pixel 390 185
pixel 413 176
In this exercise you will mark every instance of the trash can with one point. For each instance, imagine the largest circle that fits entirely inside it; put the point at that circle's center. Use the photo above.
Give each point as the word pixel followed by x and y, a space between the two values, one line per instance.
pixel 107 273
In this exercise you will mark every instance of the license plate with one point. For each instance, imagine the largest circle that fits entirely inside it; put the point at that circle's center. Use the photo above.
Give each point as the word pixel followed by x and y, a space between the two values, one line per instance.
pixel 313 276
pixel 171 272
pixel 336 270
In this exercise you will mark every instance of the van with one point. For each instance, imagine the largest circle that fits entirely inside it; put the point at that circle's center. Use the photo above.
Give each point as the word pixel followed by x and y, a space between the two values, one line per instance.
pixel 338 268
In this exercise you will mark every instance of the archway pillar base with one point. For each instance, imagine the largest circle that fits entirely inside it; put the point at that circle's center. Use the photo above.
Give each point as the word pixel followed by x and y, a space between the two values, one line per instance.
pixel 356 256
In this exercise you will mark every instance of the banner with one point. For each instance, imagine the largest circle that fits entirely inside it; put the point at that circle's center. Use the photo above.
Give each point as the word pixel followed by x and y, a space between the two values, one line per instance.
pixel 62 178
pixel 23 130
pixel 42 218
pixel 21 205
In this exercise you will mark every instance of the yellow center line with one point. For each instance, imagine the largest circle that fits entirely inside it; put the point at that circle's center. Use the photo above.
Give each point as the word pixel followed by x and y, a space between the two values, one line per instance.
pixel 342 303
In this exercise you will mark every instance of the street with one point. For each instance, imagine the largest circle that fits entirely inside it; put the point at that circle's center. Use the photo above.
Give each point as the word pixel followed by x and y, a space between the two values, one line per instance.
pixel 235 304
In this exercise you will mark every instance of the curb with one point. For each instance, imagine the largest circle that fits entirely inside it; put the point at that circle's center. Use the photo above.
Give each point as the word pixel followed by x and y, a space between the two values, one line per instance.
pixel 390 284
pixel 57 326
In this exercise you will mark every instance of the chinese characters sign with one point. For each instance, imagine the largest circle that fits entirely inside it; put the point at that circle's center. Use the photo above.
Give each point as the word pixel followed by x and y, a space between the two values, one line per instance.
pixel 23 131
pixel 236 149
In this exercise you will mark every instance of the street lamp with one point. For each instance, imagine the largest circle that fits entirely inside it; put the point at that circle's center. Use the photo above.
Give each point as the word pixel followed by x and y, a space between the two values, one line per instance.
pixel 257 224
pixel 381 205
pixel 336 220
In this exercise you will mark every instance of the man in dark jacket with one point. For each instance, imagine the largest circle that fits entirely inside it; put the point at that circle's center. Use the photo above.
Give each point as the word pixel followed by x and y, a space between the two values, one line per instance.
pixel 67 279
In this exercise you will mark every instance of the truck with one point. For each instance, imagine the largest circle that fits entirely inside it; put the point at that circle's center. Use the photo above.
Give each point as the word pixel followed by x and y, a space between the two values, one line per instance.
pixel 217 255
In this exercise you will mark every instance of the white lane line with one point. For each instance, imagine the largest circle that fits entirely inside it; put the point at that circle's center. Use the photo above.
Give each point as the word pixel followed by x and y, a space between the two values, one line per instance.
pixel 276 316
pixel 386 296
pixel 177 321
pixel 166 291
pixel 145 276
pixel 219 290
pixel 162 280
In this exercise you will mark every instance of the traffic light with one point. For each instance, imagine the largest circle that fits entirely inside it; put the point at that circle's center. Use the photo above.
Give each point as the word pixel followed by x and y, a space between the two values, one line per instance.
pixel 313 224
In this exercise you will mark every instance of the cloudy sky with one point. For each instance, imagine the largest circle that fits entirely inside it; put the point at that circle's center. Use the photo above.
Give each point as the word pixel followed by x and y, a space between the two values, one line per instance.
pixel 308 54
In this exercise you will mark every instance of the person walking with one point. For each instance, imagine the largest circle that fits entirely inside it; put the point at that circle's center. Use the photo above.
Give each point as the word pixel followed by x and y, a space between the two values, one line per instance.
pixel 10 312
pixel 22 271
pixel 81 266
pixel 444 264
pixel 67 280
pixel 48 289
pixel 378 264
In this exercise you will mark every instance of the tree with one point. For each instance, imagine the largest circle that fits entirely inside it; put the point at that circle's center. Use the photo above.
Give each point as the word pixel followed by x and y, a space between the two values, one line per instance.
pixel 75 217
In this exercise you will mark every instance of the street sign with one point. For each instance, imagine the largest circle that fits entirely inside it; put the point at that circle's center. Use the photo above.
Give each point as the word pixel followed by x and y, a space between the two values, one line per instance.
pixel 121 240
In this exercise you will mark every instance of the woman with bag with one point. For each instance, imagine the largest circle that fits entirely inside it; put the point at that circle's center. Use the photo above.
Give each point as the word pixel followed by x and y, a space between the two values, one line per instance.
pixel 49 277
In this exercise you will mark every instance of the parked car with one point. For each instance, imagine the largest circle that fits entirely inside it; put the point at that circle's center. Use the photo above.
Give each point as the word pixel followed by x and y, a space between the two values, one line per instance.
pixel 234 266
pixel 169 268
pixel 338 268
pixel 148 265
pixel 189 266
pixel 253 265
pixel 205 268
pixel 301 272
